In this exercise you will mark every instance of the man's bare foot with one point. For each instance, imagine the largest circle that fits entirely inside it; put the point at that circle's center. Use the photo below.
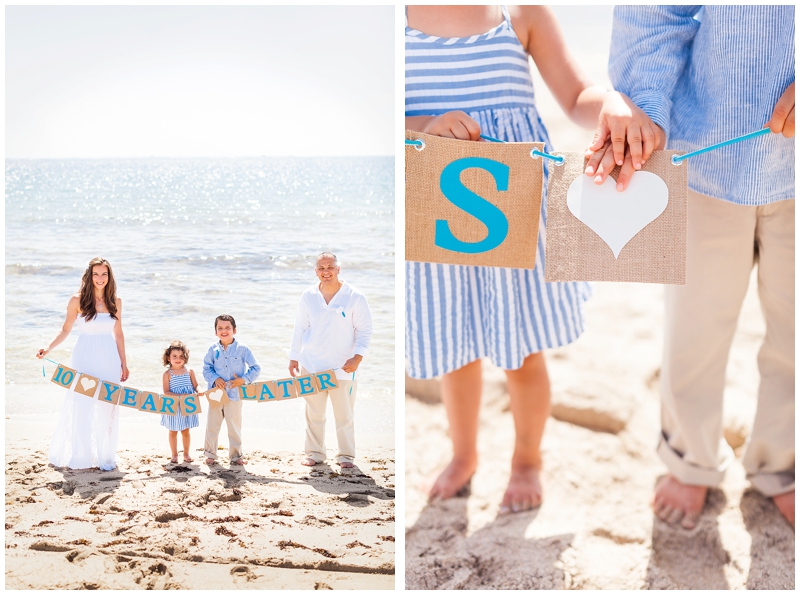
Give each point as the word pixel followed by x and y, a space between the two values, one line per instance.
pixel 210 461
pixel 241 461
pixel 674 501
pixel 187 459
pixel 785 503
pixel 452 479
pixel 524 490
pixel 346 465
pixel 309 462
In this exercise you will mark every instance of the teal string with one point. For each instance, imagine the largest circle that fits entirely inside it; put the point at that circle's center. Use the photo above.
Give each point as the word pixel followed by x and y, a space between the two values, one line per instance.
pixel 676 159
pixel 49 360
pixel 416 143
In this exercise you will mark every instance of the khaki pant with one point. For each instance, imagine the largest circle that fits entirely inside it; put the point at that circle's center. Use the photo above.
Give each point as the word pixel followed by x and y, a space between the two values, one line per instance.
pixel 231 412
pixel 724 242
pixel 343 401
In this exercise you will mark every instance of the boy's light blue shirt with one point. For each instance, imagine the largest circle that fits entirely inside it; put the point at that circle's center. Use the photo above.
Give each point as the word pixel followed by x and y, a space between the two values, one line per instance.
pixel 224 363
pixel 707 74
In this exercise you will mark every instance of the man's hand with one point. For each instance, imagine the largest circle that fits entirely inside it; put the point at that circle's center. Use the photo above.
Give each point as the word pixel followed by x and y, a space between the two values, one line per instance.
pixel 220 383
pixel 782 120
pixel 294 368
pixel 236 382
pixel 351 365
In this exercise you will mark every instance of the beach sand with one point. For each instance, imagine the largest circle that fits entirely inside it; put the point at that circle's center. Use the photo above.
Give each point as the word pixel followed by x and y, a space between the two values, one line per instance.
pixel 154 525
pixel 595 529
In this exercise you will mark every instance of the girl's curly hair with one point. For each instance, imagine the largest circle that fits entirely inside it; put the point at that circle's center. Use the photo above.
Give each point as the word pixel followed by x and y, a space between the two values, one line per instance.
pixel 175 346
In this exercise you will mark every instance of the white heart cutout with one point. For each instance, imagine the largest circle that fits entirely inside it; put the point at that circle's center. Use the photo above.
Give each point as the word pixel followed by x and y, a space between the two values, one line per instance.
pixel 215 395
pixel 618 216
pixel 88 383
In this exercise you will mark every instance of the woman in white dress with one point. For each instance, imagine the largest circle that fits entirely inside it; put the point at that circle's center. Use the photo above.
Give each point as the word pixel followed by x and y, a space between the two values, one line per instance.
pixel 88 430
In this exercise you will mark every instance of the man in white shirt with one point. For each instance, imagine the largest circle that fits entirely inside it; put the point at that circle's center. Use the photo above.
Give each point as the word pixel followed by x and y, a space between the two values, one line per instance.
pixel 332 331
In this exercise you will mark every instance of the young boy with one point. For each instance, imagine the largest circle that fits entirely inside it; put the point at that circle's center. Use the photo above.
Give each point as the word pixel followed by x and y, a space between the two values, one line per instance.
pixel 227 365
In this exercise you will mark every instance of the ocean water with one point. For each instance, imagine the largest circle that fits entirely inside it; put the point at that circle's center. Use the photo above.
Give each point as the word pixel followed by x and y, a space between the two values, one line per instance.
pixel 189 239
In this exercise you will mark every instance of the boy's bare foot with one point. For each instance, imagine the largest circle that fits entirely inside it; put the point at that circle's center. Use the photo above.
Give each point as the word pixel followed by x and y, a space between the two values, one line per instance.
pixel 174 459
pixel 240 462
pixel 308 462
pixel 674 501
pixel 785 503
pixel 210 461
pixel 524 490
pixel 452 479
pixel 346 465
pixel 187 459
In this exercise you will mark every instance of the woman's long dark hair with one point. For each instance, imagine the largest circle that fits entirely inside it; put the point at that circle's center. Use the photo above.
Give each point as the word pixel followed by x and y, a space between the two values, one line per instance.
pixel 87 306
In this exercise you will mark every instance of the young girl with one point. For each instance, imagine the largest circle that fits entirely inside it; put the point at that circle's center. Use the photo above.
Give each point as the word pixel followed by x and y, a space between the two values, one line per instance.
pixel 467 74
pixel 179 380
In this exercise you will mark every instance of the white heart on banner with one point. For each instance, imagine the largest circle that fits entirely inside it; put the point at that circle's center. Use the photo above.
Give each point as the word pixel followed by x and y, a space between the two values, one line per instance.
pixel 618 216
pixel 215 395
pixel 88 384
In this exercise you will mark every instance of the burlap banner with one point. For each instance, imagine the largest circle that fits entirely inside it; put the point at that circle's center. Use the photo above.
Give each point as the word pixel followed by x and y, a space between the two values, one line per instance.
pixel 595 233
pixel 474 203
pixel 153 402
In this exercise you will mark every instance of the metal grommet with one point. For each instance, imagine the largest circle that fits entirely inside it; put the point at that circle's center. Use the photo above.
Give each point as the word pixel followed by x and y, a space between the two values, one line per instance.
pixel 421 145
pixel 559 162
pixel 676 160
pixel 533 154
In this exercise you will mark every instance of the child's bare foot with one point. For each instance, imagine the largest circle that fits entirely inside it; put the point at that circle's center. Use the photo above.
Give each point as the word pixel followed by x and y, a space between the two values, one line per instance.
pixel 524 490
pixel 174 459
pixel 346 465
pixel 674 501
pixel 785 503
pixel 187 459
pixel 452 479
pixel 309 462
pixel 240 462
pixel 210 461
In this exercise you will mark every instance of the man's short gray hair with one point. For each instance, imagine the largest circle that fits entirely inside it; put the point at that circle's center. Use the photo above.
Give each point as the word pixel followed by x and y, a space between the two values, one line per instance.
pixel 328 255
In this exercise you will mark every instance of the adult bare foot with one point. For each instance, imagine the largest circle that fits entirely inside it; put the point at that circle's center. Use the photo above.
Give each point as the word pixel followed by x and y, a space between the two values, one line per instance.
pixel 210 461
pixel 524 490
pixel 346 465
pixel 187 459
pixel 309 462
pixel 674 501
pixel 452 479
pixel 785 503
pixel 240 462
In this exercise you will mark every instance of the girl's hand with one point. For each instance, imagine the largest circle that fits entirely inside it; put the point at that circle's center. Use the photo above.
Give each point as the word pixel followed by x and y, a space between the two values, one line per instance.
pixel 125 373
pixel 621 121
pixel 455 124
pixel 42 352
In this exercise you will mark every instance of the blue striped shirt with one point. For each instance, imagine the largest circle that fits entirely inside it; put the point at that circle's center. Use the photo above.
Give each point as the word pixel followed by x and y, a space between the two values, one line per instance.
pixel 236 359
pixel 708 74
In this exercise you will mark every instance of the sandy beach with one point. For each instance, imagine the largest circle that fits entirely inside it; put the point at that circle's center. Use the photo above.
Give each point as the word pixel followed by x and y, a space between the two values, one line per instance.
pixel 595 529
pixel 155 525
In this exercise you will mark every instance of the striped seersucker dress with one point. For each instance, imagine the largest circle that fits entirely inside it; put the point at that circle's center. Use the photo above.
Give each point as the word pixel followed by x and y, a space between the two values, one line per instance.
pixel 457 314
pixel 181 385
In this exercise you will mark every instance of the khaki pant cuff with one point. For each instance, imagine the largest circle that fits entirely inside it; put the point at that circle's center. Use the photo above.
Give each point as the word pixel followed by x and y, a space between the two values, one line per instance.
pixel 773 484
pixel 688 473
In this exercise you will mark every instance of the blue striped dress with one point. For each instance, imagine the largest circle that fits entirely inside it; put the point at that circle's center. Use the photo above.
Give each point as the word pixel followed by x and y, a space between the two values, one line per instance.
pixel 458 314
pixel 180 385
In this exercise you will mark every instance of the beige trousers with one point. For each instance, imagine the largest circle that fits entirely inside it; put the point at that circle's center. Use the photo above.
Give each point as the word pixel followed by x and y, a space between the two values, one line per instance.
pixel 343 401
pixel 724 242
pixel 231 412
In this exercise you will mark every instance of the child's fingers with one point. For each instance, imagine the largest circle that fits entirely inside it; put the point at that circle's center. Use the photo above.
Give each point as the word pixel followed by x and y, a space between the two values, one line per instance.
pixel 648 142
pixel 595 158
pixel 618 139
pixel 635 145
pixel 625 173
pixel 600 136
pixel 605 167
pixel 472 127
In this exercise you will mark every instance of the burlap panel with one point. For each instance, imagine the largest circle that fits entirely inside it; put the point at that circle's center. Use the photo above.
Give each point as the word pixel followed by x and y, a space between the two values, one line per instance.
pixel 425 202
pixel 657 254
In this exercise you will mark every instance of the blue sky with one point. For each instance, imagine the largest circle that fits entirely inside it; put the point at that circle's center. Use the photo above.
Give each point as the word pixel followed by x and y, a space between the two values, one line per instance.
pixel 186 81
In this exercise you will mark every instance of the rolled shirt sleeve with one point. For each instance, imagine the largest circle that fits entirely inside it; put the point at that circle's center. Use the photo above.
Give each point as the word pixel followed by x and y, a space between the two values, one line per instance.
pixel 650 48
pixel 362 324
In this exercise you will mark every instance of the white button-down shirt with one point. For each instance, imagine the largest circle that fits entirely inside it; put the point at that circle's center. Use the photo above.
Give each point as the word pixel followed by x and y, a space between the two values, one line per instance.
pixel 327 335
